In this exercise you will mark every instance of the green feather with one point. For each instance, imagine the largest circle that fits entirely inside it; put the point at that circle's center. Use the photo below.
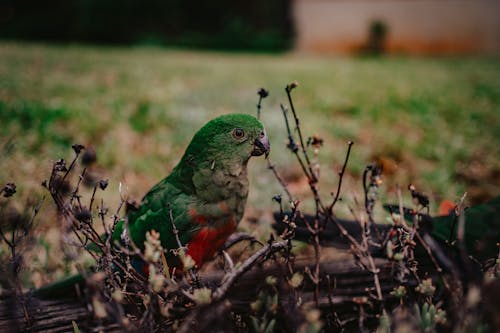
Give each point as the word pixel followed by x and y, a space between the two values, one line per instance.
pixel 482 227
pixel 62 288
pixel 211 171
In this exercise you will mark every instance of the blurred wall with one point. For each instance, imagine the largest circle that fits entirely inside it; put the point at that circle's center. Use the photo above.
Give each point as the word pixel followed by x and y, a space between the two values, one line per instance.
pixel 413 26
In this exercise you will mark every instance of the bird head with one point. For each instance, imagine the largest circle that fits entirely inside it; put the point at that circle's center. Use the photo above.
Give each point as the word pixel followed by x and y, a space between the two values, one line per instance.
pixel 232 137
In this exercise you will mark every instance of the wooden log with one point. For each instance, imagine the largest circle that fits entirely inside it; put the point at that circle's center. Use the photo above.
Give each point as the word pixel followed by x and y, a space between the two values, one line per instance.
pixel 26 313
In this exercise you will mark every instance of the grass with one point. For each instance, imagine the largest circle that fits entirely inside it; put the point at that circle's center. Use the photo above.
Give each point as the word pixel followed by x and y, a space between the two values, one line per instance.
pixel 436 119
pixel 138 107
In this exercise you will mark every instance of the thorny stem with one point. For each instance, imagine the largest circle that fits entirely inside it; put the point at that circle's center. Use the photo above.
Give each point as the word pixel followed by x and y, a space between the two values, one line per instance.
pixel 429 252
pixel 93 196
pixel 414 232
pixel 461 221
pixel 320 207
pixel 36 210
pixel 369 192
pixel 14 242
pixel 102 213
pixel 287 124
pixel 460 211
pixel 401 210
pixel 109 233
pixel 317 250
pixel 374 270
pixel 15 264
pixel 174 228
pixel 77 188
pixel 71 166
pixel 312 176
pixel 314 231
pixel 341 176
pixel 192 273
pixel 239 237
pixel 421 239
pixel 361 318
pixel 259 106
pixel 263 93
pixel 363 252
pixel 116 215
pixel 87 228
pixel 231 277
pixel 280 179
pixel 330 299
pixel 370 189
pixel 307 170
pixel 291 143
pixel 5 238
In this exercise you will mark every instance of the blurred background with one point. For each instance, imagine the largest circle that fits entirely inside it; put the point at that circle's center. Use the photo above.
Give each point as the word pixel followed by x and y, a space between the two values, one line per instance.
pixel 339 26
pixel 414 83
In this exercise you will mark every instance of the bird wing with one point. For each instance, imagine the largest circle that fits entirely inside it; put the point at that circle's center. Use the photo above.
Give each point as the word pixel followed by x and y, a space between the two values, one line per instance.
pixel 163 206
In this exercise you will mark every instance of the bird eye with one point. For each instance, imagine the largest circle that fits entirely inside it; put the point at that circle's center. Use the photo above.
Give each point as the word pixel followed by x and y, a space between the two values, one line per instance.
pixel 238 133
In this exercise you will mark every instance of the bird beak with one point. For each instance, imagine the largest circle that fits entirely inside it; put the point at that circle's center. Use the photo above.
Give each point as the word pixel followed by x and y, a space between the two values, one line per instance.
pixel 261 146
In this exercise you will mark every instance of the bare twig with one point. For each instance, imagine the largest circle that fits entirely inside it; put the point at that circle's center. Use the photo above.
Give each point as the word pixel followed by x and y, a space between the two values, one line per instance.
pixel 232 277
pixel 263 93
pixel 194 277
pixel 5 239
pixel 461 221
pixel 77 153
pixel 288 90
pixel 229 264
pixel 401 210
pixel 239 237
pixel 341 176
pixel 280 179
pixel 292 145
pixel 174 228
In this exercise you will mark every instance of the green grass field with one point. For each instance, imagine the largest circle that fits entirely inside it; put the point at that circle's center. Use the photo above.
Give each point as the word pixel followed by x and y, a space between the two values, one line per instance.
pixel 436 119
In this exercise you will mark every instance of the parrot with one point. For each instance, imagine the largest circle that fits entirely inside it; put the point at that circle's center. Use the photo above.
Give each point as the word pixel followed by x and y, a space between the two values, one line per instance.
pixel 204 196
pixel 205 193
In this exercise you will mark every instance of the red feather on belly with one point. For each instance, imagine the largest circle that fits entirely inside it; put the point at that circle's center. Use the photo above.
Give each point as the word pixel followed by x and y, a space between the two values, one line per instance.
pixel 206 242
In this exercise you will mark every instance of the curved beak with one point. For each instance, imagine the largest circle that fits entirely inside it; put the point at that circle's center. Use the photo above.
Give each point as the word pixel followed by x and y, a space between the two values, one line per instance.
pixel 261 146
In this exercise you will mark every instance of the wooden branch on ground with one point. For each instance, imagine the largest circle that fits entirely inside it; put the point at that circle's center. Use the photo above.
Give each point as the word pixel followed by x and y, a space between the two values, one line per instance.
pixel 352 284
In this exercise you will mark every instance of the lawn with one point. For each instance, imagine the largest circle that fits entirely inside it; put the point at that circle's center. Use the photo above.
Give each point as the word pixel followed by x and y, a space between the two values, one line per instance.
pixel 434 122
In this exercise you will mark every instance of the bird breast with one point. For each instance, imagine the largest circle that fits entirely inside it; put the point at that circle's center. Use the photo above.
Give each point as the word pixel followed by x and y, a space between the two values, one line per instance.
pixel 214 185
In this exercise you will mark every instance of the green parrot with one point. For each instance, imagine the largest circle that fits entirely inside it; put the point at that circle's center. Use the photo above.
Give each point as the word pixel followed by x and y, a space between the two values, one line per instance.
pixel 205 194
